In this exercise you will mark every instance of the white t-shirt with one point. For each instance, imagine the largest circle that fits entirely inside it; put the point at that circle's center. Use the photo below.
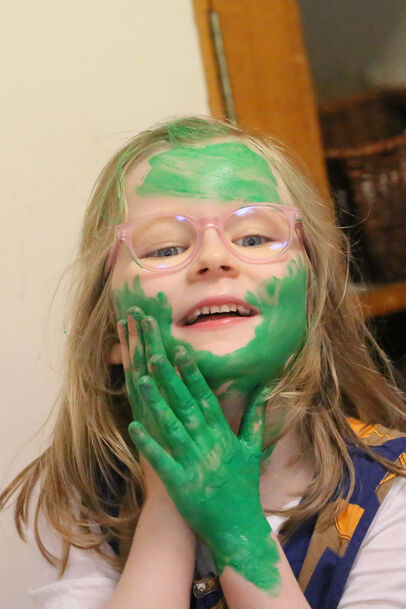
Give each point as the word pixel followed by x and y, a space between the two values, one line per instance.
pixel 377 579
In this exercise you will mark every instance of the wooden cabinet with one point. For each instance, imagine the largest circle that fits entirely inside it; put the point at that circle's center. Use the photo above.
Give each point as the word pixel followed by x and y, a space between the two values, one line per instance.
pixel 257 74
pixel 384 299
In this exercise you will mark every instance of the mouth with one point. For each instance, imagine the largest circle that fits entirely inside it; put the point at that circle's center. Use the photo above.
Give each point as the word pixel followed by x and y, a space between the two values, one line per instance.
pixel 208 314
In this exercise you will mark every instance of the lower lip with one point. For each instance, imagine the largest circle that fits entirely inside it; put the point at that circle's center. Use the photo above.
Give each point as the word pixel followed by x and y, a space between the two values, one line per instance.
pixel 216 323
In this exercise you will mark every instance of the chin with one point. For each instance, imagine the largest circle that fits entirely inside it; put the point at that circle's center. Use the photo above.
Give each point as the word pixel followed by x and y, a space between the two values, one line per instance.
pixel 217 347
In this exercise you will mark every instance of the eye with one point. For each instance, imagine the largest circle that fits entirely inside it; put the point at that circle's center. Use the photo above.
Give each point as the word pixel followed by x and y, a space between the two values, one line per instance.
pixel 173 250
pixel 251 240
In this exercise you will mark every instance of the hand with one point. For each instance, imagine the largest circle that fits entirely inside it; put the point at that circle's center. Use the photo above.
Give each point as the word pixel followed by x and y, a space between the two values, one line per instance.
pixel 155 489
pixel 211 474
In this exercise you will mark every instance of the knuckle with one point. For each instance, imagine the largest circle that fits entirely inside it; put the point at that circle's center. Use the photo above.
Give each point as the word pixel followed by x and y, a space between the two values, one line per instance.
pixel 156 360
pixel 206 399
pixel 174 428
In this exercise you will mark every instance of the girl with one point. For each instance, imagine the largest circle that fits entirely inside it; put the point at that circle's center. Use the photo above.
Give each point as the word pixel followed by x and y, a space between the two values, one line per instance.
pixel 226 436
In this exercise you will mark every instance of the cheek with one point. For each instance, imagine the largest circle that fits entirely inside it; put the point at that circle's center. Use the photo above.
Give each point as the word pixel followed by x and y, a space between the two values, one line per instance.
pixel 123 272
pixel 279 269
pixel 152 293
pixel 126 271
pixel 129 274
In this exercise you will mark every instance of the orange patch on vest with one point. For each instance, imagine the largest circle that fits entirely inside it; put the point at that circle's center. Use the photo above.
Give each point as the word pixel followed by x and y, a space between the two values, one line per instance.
pixel 347 521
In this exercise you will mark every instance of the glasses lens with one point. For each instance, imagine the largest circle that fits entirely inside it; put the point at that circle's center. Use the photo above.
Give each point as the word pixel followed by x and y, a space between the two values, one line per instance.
pixel 162 243
pixel 257 233
pixel 260 233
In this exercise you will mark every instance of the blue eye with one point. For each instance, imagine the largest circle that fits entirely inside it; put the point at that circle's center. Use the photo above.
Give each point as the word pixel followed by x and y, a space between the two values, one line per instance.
pixel 251 240
pixel 172 250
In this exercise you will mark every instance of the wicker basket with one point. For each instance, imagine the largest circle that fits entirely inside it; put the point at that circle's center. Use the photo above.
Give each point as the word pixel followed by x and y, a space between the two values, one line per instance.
pixel 365 148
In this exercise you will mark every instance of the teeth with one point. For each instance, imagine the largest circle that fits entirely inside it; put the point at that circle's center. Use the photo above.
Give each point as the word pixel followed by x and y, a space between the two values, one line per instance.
pixel 192 317
pixel 243 310
pixel 226 308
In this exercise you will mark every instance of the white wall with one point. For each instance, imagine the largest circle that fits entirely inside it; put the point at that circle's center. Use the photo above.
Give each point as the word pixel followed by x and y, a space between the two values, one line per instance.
pixel 77 79
pixel 354 44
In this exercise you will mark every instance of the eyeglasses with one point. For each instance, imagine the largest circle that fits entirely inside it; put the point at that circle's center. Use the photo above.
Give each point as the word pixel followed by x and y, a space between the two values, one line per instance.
pixel 257 233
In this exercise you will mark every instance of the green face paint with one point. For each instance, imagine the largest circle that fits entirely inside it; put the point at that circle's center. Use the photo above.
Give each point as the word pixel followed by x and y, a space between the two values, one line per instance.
pixel 228 171
pixel 281 302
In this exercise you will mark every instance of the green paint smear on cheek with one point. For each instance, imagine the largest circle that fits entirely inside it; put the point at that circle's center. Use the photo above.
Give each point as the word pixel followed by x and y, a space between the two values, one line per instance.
pixel 228 171
pixel 282 304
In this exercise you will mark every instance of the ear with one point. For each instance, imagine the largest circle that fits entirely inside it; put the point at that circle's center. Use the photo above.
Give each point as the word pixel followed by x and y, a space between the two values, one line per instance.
pixel 115 354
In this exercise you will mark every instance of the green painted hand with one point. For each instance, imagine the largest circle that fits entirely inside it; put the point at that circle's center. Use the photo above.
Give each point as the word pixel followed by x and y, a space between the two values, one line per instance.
pixel 211 474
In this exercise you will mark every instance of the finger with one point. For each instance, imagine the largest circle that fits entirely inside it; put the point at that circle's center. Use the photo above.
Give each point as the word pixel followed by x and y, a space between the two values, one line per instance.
pixel 152 339
pixel 253 422
pixel 154 347
pixel 133 394
pixel 178 396
pixel 136 312
pixel 167 469
pixel 198 388
pixel 171 430
pixel 122 336
pixel 136 345
pixel 139 408
pixel 131 375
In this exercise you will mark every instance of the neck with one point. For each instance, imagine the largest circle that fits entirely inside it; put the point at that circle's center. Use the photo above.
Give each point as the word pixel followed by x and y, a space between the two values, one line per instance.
pixel 233 407
pixel 282 476
pixel 286 474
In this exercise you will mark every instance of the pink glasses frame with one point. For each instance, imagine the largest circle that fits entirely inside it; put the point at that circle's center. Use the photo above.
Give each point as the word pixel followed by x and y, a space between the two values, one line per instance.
pixel 292 214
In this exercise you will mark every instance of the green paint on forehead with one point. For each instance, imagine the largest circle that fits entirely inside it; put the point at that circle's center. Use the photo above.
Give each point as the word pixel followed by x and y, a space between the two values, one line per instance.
pixel 227 171
pixel 281 333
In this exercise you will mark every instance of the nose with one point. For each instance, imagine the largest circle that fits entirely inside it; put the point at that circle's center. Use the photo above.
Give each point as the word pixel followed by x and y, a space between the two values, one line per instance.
pixel 213 258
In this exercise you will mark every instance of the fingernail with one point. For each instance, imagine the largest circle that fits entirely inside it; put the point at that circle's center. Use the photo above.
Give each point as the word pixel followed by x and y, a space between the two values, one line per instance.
pixel 182 355
pixel 147 323
pixel 180 350
pixel 156 360
pixel 124 326
pixel 136 312
pixel 144 384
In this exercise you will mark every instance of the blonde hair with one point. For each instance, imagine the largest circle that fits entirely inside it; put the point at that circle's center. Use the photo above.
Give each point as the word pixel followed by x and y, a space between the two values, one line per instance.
pixel 90 475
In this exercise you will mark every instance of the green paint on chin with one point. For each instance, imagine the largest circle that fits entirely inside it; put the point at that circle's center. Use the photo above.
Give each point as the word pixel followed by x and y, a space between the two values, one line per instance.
pixel 228 171
pixel 281 333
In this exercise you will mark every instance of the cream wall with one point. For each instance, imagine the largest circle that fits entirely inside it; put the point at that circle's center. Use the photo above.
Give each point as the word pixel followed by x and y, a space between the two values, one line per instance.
pixel 77 78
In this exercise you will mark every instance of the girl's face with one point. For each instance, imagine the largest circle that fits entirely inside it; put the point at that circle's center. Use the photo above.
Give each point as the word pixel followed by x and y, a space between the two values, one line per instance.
pixel 235 353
